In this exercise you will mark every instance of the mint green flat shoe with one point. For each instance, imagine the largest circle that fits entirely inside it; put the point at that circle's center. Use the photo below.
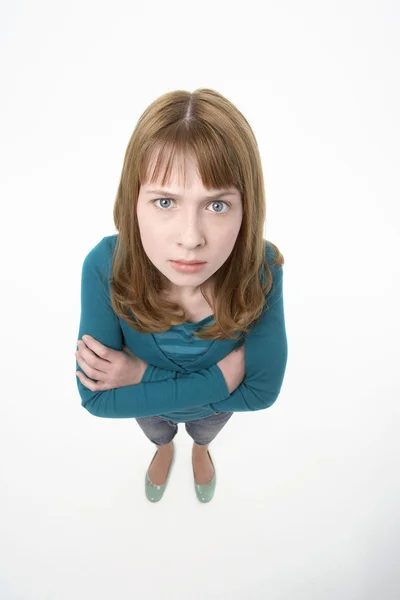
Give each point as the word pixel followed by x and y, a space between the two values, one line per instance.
pixel 154 492
pixel 205 492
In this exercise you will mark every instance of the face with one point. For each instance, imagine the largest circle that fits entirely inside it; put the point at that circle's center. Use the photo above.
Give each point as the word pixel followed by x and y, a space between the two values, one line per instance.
pixel 184 223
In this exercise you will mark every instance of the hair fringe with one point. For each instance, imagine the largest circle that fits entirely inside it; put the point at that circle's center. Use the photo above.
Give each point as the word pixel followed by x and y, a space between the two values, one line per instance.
pixel 205 124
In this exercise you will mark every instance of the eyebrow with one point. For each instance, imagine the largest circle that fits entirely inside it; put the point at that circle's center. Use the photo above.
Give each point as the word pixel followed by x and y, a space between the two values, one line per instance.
pixel 223 192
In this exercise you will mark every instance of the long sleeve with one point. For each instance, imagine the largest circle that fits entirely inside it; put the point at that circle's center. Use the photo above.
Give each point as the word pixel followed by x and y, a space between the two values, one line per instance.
pixel 175 391
pixel 163 391
pixel 266 352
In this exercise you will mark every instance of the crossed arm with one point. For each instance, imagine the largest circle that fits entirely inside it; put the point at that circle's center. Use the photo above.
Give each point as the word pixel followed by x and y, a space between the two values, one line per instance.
pixel 104 368
pixel 264 354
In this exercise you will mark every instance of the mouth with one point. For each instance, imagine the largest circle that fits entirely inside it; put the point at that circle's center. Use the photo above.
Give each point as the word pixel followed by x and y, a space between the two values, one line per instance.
pixel 189 262
pixel 187 267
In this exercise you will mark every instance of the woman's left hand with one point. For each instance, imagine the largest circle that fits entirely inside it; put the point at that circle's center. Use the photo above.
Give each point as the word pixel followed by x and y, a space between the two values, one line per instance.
pixel 111 368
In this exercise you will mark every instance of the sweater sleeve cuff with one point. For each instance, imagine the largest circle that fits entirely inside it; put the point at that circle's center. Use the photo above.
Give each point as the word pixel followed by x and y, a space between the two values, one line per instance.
pixel 147 374
pixel 220 382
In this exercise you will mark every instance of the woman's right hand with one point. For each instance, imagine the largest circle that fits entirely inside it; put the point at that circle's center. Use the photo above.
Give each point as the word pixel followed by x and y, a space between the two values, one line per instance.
pixel 233 368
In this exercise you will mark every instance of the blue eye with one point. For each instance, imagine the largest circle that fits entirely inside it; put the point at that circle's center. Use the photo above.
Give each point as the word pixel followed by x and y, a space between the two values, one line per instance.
pixel 212 202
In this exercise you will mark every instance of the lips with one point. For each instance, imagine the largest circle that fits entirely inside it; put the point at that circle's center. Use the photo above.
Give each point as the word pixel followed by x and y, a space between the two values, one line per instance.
pixel 191 262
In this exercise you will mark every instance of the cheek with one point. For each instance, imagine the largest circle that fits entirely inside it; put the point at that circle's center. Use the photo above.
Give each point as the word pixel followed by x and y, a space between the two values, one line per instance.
pixel 225 245
pixel 152 237
pixel 149 229
pixel 153 245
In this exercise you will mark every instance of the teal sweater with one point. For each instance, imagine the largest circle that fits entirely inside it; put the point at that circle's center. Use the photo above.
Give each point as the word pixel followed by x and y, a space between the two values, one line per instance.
pixel 182 381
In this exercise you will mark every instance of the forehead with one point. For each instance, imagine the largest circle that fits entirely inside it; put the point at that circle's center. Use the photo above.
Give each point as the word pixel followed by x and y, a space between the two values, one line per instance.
pixel 182 172
pixel 178 170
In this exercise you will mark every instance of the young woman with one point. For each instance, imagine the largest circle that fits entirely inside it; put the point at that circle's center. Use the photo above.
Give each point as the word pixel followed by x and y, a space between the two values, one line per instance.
pixel 171 342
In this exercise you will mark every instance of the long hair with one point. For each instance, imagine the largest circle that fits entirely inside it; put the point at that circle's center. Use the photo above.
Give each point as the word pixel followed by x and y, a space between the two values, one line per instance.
pixel 205 124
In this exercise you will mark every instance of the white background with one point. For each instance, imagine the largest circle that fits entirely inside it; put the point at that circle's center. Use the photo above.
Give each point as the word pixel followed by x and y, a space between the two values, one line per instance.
pixel 307 498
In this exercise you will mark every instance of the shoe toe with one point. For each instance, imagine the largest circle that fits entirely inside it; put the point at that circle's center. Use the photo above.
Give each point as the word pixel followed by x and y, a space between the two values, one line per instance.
pixel 205 492
pixel 154 493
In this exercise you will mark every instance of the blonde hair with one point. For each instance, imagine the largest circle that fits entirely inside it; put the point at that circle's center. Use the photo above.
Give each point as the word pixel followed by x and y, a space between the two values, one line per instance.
pixel 205 124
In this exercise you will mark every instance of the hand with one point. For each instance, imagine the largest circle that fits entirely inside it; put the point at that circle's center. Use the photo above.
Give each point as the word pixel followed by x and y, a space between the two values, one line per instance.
pixel 111 368
pixel 233 367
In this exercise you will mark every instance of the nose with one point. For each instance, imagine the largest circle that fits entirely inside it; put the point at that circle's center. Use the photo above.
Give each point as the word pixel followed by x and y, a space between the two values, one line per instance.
pixel 191 231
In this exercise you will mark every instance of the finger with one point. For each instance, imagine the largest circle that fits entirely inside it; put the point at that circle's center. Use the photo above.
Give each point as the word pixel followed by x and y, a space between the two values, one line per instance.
pixel 89 370
pixel 97 347
pixel 93 365
pixel 94 386
pixel 86 382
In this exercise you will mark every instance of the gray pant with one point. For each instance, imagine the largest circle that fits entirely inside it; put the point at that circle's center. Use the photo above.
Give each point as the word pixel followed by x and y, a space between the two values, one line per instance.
pixel 161 431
